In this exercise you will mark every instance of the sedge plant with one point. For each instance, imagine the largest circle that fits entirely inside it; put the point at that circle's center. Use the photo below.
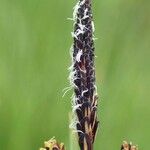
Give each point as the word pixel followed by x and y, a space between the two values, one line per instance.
pixel 82 78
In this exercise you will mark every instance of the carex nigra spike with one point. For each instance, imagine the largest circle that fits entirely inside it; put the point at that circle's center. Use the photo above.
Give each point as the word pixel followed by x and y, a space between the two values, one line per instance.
pixel 83 75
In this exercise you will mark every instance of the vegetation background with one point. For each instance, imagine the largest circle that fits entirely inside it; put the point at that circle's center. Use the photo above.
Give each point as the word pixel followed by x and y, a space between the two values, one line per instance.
pixel 34 55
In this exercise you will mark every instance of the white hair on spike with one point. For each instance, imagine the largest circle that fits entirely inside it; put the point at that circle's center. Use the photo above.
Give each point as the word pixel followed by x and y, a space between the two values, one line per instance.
pixel 79 54
pixel 71 52
pixel 71 76
pixel 95 89
pixel 70 19
pixel 72 79
pixel 94 38
pixel 76 7
pixel 85 14
pixel 74 35
pixel 78 131
pixel 75 107
pixel 82 2
pixel 84 92
pixel 78 32
pixel 70 68
pixel 93 27
pixel 66 90
pixel 81 26
pixel 73 102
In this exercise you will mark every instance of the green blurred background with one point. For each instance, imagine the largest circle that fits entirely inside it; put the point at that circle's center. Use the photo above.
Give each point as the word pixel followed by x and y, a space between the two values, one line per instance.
pixel 34 55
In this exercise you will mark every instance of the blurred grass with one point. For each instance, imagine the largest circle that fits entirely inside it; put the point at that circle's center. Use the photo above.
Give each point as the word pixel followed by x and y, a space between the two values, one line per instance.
pixel 34 56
